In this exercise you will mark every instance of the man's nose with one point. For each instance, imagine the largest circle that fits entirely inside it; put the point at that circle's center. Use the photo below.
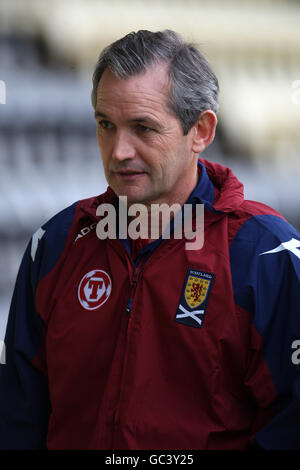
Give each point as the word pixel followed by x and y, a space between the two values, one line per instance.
pixel 123 148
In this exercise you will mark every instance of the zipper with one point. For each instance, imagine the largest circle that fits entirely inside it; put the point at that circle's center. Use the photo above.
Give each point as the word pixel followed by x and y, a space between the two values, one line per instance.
pixel 134 281
pixel 135 277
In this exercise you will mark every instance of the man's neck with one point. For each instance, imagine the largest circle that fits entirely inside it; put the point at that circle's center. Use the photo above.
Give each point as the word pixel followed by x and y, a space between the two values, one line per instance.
pixel 158 214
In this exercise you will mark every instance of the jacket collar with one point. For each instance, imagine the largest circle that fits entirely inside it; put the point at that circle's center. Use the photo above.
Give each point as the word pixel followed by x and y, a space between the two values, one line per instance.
pixel 229 191
pixel 204 192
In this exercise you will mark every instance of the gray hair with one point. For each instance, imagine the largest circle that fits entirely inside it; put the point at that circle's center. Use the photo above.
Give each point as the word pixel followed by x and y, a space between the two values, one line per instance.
pixel 194 86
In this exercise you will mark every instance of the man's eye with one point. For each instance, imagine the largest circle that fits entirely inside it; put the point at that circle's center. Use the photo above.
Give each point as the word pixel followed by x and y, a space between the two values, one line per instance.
pixel 105 124
pixel 144 129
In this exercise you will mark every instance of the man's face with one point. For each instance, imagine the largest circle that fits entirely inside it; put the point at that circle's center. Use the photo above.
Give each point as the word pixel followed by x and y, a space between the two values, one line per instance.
pixel 145 155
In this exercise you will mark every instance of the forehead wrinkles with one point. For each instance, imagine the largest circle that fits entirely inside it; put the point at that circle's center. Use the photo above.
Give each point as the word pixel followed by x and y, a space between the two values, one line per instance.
pixel 131 103
pixel 107 94
pixel 149 89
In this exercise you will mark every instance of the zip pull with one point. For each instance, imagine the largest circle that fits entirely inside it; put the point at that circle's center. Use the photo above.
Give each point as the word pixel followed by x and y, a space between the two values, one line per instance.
pixel 134 282
pixel 129 305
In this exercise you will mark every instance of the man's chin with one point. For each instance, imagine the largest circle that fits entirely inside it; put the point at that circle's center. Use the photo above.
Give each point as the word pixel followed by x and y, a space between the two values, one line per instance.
pixel 134 198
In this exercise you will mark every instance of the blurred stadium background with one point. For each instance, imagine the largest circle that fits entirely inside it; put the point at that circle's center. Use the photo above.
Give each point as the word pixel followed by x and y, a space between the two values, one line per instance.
pixel 48 152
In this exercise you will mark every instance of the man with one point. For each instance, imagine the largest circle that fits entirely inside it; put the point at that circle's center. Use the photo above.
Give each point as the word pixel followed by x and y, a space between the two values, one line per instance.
pixel 141 343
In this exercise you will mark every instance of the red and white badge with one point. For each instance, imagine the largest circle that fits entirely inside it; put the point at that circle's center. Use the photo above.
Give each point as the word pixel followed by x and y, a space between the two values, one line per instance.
pixel 94 289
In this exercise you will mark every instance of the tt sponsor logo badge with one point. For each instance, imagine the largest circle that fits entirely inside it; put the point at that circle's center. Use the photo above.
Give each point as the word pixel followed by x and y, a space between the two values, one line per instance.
pixel 94 289
pixel 194 298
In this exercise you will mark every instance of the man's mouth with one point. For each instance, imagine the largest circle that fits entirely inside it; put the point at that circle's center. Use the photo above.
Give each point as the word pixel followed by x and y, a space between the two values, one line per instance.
pixel 129 173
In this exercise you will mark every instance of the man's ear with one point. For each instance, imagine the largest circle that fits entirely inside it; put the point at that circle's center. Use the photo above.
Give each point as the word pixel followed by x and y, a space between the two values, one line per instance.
pixel 203 131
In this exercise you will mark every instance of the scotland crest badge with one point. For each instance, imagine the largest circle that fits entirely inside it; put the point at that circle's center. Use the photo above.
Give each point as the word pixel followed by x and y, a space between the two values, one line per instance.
pixel 194 298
